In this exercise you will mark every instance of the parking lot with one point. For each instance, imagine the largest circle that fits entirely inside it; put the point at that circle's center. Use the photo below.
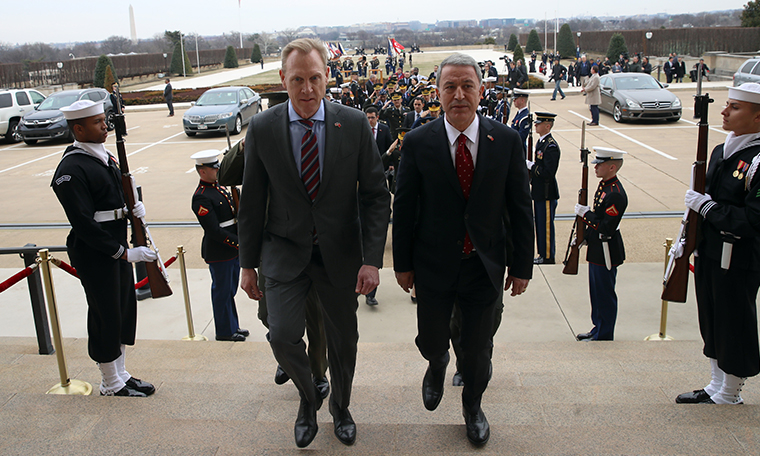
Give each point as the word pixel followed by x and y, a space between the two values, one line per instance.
pixel 655 175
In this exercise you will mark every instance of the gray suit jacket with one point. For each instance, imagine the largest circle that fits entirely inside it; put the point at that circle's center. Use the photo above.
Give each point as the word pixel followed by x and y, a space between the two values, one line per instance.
pixel 277 216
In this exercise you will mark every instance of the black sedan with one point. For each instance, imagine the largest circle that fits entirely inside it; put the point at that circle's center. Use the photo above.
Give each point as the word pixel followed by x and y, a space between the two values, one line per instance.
pixel 47 121
pixel 636 96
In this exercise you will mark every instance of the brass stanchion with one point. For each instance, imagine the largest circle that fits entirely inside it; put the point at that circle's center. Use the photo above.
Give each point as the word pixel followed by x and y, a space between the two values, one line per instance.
pixel 67 386
pixel 183 275
pixel 664 311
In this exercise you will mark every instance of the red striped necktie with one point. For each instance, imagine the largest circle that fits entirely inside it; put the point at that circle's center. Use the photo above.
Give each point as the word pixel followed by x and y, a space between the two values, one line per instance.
pixel 310 160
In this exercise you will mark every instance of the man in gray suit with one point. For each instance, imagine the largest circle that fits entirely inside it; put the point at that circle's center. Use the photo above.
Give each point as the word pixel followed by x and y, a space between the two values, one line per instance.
pixel 310 168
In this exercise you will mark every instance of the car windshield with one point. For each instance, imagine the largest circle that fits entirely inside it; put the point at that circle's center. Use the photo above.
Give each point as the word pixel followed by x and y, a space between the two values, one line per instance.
pixel 637 83
pixel 217 98
pixel 56 101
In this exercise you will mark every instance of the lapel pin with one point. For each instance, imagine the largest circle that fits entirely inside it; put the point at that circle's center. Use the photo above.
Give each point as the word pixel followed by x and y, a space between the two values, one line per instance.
pixel 337 124
pixel 489 137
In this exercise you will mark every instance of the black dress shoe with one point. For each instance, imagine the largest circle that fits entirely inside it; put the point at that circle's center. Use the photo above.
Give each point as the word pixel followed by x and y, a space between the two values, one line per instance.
pixel 414 299
pixel 694 397
pixel 371 301
pixel 126 392
pixel 432 386
pixel 478 430
pixel 345 428
pixel 323 386
pixel 584 336
pixel 306 424
pixel 244 332
pixel 141 386
pixel 235 337
pixel 280 376
pixel 457 380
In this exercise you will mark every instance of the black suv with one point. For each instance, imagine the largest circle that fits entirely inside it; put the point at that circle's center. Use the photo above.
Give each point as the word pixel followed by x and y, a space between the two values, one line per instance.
pixel 48 122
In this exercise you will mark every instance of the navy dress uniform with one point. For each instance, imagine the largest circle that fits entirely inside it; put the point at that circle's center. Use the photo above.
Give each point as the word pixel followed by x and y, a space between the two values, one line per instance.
pixel 727 267
pixel 87 183
pixel 213 206
pixel 521 121
pixel 605 247
pixel 544 189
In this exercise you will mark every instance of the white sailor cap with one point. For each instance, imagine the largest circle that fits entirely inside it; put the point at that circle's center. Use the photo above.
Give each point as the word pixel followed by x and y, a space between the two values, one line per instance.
pixel 81 109
pixel 206 158
pixel 520 93
pixel 604 154
pixel 345 85
pixel 490 79
pixel 335 90
pixel 749 92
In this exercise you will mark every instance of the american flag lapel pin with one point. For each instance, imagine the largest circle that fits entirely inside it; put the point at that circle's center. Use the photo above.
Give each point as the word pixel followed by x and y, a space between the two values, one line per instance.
pixel 489 137
pixel 337 124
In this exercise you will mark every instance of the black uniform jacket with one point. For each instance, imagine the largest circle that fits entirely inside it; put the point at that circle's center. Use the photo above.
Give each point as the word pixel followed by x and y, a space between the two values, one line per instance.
pixel 735 211
pixel 543 173
pixel 610 202
pixel 85 185
pixel 212 205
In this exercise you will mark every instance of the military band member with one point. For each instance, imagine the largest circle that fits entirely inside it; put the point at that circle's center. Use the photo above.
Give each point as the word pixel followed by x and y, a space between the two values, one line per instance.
pixel 521 121
pixel 88 185
pixel 213 206
pixel 544 188
pixel 605 244
pixel 727 267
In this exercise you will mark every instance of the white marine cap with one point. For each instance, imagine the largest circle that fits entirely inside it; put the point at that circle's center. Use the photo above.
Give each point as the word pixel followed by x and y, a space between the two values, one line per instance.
pixel 490 79
pixel 207 158
pixel 605 153
pixel 81 109
pixel 335 90
pixel 749 92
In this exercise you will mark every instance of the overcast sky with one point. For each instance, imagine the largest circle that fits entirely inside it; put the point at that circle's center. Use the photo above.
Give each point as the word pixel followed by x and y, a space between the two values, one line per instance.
pixel 52 21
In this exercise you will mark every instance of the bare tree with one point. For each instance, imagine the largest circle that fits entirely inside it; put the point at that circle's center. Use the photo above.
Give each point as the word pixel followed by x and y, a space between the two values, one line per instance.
pixel 287 35
pixel 267 42
pixel 116 45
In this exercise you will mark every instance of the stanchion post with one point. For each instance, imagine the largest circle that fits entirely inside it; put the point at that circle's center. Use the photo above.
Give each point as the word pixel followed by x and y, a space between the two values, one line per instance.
pixel 183 275
pixel 37 298
pixel 662 335
pixel 67 385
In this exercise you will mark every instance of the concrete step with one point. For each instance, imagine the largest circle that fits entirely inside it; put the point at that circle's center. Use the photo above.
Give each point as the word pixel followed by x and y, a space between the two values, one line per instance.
pixel 219 398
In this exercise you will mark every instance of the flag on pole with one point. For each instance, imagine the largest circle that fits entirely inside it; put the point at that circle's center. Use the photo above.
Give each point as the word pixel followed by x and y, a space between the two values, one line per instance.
pixel 397 47
pixel 340 48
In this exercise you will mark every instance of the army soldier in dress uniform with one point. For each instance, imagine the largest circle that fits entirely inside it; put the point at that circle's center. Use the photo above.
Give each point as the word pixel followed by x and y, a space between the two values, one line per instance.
pixel 87 183
pixel 213 206
pixel 521 122
pixel 605 244
pixel 393 113
pixel 727 269
pixel 544 188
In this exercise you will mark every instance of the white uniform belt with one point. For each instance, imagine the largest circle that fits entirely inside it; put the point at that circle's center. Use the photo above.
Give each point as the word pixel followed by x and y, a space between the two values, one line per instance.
pixel 111 215
pixel 229 222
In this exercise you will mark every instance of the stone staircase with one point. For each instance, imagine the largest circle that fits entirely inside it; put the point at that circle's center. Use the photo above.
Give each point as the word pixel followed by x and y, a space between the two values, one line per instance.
pixel 218 398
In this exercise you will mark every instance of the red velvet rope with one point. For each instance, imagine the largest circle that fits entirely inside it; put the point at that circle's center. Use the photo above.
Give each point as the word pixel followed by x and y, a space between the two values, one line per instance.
pixel 15 278
pixel 144 281
pixel 68 268
pixel 65 266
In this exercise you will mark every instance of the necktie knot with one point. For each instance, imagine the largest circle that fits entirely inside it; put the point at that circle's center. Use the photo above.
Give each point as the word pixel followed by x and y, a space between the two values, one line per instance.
pixel 307 123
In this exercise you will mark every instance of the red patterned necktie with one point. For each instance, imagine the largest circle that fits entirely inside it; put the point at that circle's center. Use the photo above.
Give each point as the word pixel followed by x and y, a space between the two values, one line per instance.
pixel 465 170
pixel 310 160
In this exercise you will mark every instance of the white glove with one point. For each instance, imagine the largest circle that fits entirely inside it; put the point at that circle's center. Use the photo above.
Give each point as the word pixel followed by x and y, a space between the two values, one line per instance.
pixel 676 250
pixel 580 210
pixel 529 164
pixel 139 210
pixel 141 254
pixel 694 200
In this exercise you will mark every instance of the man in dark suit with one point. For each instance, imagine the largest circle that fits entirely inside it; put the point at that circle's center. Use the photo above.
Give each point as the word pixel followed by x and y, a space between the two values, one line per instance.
pixel 415 114
pixel 168 97
pixel 309 167
pixel 380 131
pixel 462 208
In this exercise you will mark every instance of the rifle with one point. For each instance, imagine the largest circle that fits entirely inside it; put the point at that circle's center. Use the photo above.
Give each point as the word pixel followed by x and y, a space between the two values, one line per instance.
pixel 233 189
pixel 157 277
pixel 676 280
pixel 530 134
pixel 572 255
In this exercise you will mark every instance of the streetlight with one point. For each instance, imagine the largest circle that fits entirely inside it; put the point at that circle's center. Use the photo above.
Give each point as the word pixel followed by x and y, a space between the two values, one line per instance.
pixel 648 35
pixel 60 67
pixel 579 45
pixel 165 67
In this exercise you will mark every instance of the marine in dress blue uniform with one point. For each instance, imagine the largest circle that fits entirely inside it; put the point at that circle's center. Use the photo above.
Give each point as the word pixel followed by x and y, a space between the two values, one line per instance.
pixel 605 244
pixel 727 266
pixel 544 188
pixel 213 206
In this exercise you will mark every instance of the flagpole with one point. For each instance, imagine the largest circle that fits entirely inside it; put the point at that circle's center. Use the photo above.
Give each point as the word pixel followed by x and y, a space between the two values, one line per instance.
pixel 240 23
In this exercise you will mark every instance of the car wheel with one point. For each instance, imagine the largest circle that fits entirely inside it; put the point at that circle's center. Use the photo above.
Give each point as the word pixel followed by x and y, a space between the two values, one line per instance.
pixel 617 113
pixel 238 126
pixel 190 133
pixel 30 142
pixel 109 120
pixel 13 135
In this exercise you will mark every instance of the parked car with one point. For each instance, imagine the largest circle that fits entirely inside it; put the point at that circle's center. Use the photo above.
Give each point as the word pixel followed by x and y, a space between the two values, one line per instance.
pixel 230 107
pixel 13 105
pixel 748 72
pixel 47 121
pixel 636 96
